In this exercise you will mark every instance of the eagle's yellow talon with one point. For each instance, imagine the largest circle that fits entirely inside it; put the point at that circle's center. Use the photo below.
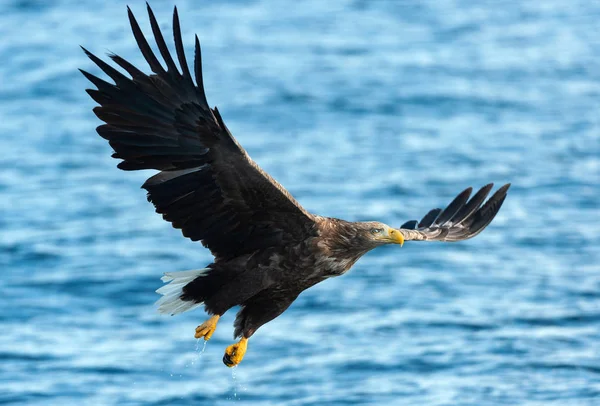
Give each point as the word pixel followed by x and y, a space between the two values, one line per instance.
pixel 207 328
pixel 235 353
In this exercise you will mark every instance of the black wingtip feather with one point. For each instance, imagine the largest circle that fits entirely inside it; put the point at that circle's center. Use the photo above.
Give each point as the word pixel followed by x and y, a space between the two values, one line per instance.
pixel 129 68
pixel 198 62
pixel 98 97
pixel 429 218
pixel 179 45
pixel 500 194
pixel 487 213
pixel 472 205
pixel 409 225
pixel 198 69
pixel 143 45
pixel 99 83
pixel 505 188
pixel 115 75
pixel 454 206
pixel 160 42
pixel 462 219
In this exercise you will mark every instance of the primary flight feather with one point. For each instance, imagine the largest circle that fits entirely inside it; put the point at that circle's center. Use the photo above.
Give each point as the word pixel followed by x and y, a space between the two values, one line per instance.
pixel 267 248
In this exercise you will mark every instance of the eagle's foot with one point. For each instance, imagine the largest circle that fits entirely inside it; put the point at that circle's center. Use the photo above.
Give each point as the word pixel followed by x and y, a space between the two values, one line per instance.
pixel 235 353
pixel 207 328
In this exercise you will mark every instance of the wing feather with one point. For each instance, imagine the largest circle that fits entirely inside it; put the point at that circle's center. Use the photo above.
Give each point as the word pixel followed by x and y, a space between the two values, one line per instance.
pixel 160 41
pixel 461 220
pixel 208 186
pixel 472 205
pixel 429 218
pixel 179 46
pixel 143 45
pixel 458 202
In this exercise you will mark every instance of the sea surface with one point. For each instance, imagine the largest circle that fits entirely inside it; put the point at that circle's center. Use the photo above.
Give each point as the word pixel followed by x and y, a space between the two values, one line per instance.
pixel 364 110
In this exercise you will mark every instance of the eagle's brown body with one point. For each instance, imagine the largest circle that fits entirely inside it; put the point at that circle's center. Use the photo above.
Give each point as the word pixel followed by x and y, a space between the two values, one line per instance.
pixel 267 247
pixel 267 281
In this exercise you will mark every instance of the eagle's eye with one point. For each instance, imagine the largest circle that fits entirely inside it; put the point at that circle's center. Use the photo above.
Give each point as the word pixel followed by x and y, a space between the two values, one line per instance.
pixel 376 231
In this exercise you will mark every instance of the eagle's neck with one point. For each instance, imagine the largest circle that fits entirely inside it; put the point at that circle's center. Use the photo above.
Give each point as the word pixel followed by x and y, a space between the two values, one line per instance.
pixel 341 241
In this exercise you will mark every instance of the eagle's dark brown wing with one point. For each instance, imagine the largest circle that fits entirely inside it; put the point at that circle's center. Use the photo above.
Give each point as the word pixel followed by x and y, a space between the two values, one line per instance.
pixel 208 186
pixel 461 220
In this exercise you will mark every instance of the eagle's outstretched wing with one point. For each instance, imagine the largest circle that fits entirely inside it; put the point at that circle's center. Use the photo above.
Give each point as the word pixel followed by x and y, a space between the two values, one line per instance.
pixel 208 186
pixel 461 220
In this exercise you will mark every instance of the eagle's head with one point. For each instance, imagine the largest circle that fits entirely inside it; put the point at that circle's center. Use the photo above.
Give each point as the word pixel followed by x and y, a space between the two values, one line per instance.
pixel 372 234
pixel 345 242
pixel 354 239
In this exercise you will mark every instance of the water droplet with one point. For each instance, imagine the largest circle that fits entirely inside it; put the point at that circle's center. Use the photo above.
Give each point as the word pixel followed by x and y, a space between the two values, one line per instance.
pixel 235 383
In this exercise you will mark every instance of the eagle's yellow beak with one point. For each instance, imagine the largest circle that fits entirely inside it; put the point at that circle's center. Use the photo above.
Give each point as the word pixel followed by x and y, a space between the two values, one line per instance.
pixel 396 237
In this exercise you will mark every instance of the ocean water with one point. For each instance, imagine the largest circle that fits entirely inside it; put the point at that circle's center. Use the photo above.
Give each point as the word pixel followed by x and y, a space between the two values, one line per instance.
pixel 363 110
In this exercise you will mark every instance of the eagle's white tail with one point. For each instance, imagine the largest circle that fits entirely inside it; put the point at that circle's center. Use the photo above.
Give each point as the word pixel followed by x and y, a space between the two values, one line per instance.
pixel 170 302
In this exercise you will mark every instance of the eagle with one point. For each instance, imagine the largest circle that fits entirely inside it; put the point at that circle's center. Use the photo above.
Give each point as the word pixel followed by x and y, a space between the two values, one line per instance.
pixel 267 248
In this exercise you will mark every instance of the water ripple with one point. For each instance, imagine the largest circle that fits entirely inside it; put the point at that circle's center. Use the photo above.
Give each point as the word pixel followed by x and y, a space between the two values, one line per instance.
pixel 363 110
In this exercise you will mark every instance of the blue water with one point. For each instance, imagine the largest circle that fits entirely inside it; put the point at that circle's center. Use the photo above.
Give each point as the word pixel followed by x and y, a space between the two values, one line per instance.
pixel 363 110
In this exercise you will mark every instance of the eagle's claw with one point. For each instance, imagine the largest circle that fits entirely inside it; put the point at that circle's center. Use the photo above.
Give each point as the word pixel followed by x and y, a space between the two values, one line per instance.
pixel 207 328
pixel 235 353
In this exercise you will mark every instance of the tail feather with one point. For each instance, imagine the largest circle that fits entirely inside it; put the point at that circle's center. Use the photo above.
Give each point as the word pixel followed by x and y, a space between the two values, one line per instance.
pixel 188 275
pixel 171 301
